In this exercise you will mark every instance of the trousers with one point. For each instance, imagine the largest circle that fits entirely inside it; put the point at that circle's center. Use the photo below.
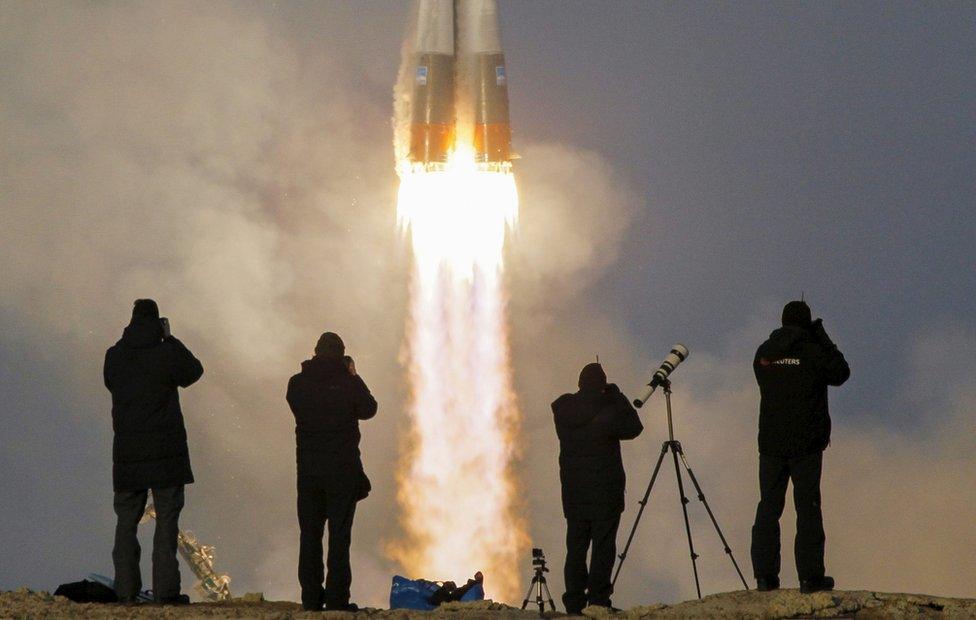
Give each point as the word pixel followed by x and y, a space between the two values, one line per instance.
pixel 317 507
pixel 589 586
pixel 129 508
pixel 808 548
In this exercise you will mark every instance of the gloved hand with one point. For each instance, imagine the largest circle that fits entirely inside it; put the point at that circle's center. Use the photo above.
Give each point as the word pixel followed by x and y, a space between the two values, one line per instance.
pixel 820 334
pixel 612 389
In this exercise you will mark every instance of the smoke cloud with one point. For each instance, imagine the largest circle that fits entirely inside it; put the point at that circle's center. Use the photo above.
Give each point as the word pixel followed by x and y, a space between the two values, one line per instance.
pixel 186 153
pixel 199 155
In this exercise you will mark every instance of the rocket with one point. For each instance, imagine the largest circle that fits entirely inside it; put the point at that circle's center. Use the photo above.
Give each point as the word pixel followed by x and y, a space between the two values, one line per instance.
pixel 460 87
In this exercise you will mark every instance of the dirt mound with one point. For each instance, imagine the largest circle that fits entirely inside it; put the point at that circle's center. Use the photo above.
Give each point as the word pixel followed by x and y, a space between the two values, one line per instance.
pixel 792 604
pixel 25 603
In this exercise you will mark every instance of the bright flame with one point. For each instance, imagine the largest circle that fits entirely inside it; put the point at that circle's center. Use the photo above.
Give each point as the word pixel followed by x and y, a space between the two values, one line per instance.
pixel 456 487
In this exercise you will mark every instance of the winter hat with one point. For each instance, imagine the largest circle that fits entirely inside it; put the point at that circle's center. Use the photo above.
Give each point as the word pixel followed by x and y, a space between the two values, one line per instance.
pixel 145 308
pixel 592 378
pixel 797 314
pixel 330 345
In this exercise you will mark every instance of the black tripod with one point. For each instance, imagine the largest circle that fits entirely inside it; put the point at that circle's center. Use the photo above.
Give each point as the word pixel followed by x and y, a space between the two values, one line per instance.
pixel 676 451
pixel 539 584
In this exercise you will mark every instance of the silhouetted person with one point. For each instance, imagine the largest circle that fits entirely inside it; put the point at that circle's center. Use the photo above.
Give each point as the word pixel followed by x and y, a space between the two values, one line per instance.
pixel 328 399
pixel 590 425
pixel 143 371
pixel 793 369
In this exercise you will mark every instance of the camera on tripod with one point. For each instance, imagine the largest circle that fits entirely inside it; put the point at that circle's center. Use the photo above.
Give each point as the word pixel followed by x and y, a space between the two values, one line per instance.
pixel 539 560
pixel 539 585
pixel 678 354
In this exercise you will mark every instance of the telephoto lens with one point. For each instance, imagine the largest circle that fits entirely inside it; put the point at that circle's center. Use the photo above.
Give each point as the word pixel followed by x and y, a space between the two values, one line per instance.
pixel 678 354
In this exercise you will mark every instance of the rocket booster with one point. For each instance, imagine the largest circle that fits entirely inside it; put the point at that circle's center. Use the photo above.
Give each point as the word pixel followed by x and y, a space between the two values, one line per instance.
pixel 433 116
pixel 459 74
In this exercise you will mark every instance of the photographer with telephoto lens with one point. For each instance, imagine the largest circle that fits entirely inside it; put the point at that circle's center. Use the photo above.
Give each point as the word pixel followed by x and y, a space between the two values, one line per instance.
pixel 590 425
pixel 793 369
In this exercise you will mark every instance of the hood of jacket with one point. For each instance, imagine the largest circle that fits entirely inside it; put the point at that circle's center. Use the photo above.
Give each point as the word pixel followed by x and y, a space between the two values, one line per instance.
pixel 784 340
pixel 142 333
pixel 579 409
pixel 323 368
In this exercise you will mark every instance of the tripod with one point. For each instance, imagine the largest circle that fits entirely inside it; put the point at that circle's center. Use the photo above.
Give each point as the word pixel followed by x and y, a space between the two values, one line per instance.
pixel 539 584
pixel 675 448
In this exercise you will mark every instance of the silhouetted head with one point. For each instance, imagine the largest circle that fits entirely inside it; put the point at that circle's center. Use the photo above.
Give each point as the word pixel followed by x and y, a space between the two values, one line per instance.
pixel 796 314
pixel 592 378
pixel 330 345
pixel 145 309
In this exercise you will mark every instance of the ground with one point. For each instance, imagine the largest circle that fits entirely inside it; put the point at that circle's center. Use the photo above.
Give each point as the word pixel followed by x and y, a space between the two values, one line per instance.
pixel 25 603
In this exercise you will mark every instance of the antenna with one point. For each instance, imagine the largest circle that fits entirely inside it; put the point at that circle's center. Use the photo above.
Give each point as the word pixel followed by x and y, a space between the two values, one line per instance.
pixel 801 295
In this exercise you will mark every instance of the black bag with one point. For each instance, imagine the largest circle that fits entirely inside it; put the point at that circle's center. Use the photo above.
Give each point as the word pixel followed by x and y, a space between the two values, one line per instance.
pixel 87 592
pixel 449 591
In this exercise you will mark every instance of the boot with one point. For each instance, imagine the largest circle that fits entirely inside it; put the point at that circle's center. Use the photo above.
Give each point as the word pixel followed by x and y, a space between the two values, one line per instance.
pixel 823 584
pixel 765 584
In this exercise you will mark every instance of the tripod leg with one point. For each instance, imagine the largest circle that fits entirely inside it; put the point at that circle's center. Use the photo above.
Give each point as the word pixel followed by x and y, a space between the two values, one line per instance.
pixel 538 598
pixel 718 530
pixel 640 512
pixel 525 603
pixel 675 450
pixel 549 595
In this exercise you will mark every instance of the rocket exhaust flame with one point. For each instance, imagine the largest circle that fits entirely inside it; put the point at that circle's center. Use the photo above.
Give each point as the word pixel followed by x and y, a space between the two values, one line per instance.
pixel 456 203
pixel 458 216
pixel 456 486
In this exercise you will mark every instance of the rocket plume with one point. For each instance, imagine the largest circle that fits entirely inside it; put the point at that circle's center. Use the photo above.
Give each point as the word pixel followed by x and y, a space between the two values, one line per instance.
pixel 456 487
pixel 456 203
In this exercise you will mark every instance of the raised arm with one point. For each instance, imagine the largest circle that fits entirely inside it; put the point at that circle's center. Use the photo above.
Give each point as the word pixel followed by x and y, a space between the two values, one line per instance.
pixel 108 369
pixel 364 405
pixel 186 368
pixel 834 368
pixel 626 424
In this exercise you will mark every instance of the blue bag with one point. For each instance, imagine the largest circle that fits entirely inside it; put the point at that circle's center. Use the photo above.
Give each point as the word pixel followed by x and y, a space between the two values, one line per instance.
pixel 476 593
pixel 415 593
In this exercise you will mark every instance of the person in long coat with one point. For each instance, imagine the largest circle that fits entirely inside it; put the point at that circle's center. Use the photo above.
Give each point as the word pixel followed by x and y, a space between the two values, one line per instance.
pixel 590 425
pixel 144 371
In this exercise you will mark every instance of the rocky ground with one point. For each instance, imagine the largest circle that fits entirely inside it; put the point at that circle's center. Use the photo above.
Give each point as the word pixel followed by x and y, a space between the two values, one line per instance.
pixel 24 603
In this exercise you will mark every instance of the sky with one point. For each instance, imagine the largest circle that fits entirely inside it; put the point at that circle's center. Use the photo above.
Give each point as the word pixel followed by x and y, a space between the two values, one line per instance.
pixel 686 169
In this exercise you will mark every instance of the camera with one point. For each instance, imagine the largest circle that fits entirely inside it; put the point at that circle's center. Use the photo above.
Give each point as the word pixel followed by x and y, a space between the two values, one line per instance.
pixel 539 559
pixel 164 325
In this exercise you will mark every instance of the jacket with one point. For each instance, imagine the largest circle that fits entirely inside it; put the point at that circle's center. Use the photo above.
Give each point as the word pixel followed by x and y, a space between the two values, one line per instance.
pixel 143 371
pixel 328 402
pixel 590 426
pixel 793 369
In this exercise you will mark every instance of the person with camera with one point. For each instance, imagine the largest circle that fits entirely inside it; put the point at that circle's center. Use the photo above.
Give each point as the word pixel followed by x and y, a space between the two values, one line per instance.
pixel 590 425
pixel 328 399
pixel 793 368
pixel 143 371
